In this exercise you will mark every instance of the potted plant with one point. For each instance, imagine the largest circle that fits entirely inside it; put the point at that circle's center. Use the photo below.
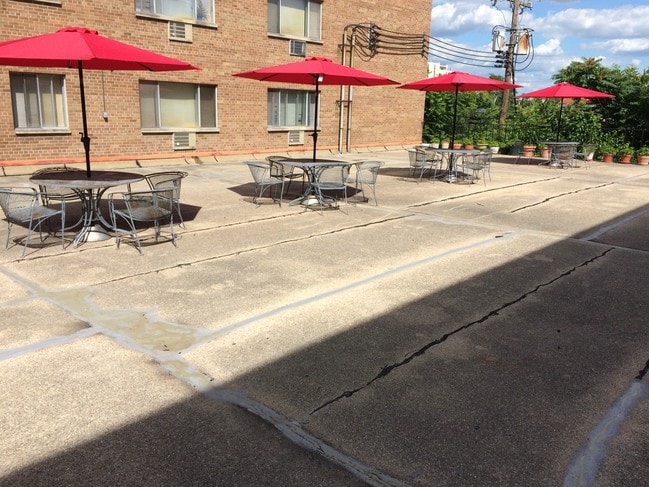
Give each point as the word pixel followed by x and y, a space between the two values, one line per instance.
pixel 606 149
pixel 643 155
pixel 624 152
pixel 545 151
pixel 481 144
pixel 528 150
pixel 494 146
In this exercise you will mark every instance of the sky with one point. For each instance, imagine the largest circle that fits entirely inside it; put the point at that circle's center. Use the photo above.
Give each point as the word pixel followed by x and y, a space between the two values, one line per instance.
pixel 562 31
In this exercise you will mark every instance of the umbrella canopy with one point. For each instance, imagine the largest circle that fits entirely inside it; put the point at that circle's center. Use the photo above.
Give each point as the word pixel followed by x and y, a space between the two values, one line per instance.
pixel 565 90
pixel 455 82
pixel 82 48
pixel 317 71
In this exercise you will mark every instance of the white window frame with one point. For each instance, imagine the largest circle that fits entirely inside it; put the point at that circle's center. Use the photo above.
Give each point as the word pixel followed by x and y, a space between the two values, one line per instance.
pixel 277 104
pixel 23 105
pixel 198 126
pixel 156 9
pixel 310 8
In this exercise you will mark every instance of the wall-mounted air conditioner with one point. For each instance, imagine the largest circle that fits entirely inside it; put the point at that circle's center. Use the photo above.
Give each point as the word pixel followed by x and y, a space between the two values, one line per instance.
pixel 296 137
pixel 178 31
pixel 184 140
pixel 297 48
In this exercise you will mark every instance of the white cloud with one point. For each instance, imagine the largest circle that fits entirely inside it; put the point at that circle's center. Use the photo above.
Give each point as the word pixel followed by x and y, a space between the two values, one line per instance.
pixel 626 46
pixel 552 47
pixel 465 15
pixel 594 24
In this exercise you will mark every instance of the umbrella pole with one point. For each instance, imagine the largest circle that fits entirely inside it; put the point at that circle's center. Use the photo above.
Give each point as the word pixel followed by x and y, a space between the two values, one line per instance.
pixel 315 116
pixel 85 140
pixel 559 122
pixel 457 88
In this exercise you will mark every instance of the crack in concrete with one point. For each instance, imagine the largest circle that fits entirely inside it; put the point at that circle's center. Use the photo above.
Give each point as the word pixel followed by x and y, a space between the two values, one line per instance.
pixel 560 195
pixel 487 190
pixel 254 249
pixel 642 373
pixel 388 369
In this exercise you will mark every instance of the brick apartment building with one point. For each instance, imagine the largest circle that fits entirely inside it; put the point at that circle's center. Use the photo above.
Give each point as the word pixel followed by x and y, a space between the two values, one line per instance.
pixel 144 115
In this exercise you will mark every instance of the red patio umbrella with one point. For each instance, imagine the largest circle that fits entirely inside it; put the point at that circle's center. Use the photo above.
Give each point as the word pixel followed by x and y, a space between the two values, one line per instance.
pixel 565 90
pixel 317 71
pixel 455 82
pixel 82 48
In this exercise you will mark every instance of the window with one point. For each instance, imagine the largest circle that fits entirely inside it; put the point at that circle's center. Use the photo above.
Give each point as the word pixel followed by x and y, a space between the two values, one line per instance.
pixel 188 10
pixel 290 108
pixel 38 101
pixel 295 18
pixel 177 105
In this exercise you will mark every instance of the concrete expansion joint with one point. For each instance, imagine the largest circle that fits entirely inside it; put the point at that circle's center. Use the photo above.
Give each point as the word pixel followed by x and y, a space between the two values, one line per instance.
pixel 388 369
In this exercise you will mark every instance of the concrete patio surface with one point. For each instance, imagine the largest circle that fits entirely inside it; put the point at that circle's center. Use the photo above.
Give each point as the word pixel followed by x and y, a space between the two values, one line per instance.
pixel 453 335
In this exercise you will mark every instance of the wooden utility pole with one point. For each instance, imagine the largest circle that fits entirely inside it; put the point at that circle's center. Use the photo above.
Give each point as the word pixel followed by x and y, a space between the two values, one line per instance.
pixel 509 59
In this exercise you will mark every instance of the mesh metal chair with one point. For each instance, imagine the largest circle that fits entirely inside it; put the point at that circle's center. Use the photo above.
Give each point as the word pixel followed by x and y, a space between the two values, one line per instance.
pixel 479 165
pixel 587 155
pixel 331 178
pixel 138 207
pixel 367 173
pixel 421 161
pixel 22 206
pixel 53 197
pixel 169 180
pixel 289 173
pixel 261 173
pixel 565 154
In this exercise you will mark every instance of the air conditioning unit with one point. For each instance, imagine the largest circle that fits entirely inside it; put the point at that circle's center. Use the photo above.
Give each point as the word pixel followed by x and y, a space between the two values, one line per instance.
pixel 179 31
pixel 296 137
pixel 184 140
pixel 297 48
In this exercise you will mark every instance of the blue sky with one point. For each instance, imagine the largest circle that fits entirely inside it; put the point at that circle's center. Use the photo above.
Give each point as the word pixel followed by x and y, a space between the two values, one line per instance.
pixel 563 31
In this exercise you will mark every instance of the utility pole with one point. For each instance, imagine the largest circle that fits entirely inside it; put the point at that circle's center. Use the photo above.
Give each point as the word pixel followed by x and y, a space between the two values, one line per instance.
pixel 509 61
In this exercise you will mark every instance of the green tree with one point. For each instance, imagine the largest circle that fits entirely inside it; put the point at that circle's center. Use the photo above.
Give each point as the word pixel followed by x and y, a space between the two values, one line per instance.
pixel 626 112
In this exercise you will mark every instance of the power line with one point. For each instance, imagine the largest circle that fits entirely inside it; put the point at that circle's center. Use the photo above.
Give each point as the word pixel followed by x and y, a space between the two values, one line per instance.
pixel 370 40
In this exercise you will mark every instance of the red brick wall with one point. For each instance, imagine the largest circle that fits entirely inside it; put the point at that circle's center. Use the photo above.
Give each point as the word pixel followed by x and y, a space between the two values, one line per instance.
pixel 380 115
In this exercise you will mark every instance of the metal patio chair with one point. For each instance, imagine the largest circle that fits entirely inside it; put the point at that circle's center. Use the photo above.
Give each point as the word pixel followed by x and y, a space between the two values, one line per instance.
pixel 289 173
pixel 23 206
pixel 264 180
pixel 479 165
pixel 331 178
pixel 54 197
pixel 367 173
pixel 169 180
pixel 141 207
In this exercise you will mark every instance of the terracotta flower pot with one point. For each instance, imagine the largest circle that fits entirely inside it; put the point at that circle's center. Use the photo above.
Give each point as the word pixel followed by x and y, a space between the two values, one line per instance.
pixel 545 153
pixel 468 146
pixel 625 159
pixel 457 146
pixel 643 160
pixel 607 157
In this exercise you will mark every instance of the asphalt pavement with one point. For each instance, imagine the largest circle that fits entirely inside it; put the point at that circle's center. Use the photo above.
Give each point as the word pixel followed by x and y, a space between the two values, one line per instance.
pixel 452 335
